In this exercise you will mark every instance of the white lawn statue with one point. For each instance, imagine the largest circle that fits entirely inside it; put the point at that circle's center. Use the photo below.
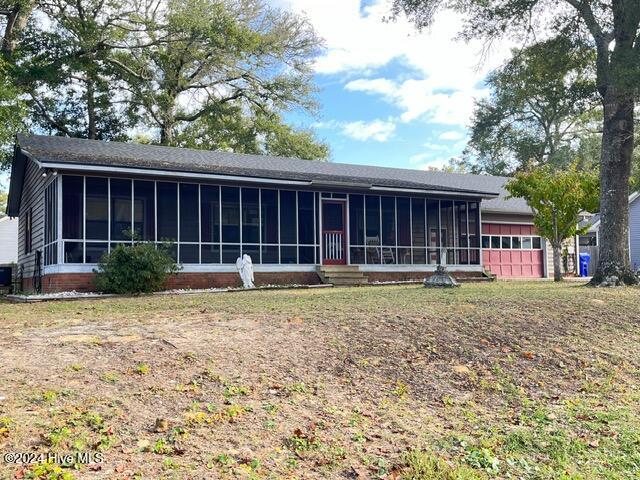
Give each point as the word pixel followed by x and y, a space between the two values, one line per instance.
pixel 245 269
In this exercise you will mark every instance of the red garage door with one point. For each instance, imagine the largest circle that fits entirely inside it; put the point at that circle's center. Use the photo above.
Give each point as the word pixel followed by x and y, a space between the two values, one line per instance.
pixel 511 251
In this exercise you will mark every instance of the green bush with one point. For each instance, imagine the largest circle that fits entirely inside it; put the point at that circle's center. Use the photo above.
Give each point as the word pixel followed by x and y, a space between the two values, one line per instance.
pixel 138 268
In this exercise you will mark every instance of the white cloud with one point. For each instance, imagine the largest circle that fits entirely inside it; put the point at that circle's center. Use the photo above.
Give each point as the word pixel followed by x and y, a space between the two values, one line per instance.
pixel 435 164
pixel 451 135
pixel 440 78
pixel 377 130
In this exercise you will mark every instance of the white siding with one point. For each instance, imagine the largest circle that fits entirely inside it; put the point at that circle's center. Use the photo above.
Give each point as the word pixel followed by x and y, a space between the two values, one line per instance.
pixel 8 240
pixel 634 233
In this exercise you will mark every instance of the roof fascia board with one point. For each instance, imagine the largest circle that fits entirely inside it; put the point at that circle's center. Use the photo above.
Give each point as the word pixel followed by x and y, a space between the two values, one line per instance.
pixel 167 173
pixel 239 178
pixel 435 192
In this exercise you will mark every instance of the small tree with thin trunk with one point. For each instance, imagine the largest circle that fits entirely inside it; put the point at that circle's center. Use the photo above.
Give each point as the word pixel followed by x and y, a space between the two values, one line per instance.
pixel 557 198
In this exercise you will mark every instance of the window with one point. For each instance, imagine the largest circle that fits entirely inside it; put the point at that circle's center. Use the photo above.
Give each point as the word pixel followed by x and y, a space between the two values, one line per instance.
pixel 495 241
pixel 288 210
pixel 144 212
pixel 210 215
pixel 72 207
pixel 537 243
pixel 167 200
pixel 97 208
pixel 251 217
pixel 516 242
pixel 28 232
pixel 486 241
pixel 506 242
pixel 189 227
pixel 526 243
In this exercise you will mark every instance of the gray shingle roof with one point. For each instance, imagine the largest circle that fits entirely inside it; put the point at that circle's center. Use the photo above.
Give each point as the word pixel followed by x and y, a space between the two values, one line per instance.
pixel 73 151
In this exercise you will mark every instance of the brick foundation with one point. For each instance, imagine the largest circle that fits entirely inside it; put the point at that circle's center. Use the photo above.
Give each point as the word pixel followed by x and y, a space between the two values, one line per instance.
pixel 84 282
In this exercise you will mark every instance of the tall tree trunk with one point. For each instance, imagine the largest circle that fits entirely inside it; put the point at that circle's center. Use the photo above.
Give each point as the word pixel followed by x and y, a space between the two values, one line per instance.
pixel 166 133
pixel 614 265
pixel 92 130
pixel 17 19
pixel 557 262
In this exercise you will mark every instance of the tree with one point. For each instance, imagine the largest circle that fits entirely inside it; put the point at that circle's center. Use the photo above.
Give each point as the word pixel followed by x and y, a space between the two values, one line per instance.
pixel 216 55
pixel 611 29
pixel 256 133
pixel 556 198
pixel 542 101
pixel 4 198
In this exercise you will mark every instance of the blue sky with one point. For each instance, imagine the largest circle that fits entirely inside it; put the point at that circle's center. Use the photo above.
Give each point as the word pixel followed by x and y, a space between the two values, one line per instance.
pixel 389 95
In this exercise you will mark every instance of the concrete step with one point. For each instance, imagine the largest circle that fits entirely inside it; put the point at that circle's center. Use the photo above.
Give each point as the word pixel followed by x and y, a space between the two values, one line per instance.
pixel 339 268
pixel 343 274
pixel 348 281
pixel 474 279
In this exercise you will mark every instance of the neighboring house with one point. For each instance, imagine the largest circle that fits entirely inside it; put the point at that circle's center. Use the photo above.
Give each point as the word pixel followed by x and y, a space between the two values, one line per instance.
pixel 76 199
pixel 590 241
pixel 8 240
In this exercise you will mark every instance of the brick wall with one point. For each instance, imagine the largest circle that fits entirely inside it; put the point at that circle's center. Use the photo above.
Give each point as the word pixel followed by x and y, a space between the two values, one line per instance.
pixel 83 282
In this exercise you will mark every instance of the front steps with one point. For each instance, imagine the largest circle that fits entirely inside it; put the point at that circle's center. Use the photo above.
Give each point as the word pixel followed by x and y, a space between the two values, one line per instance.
pixel 342 275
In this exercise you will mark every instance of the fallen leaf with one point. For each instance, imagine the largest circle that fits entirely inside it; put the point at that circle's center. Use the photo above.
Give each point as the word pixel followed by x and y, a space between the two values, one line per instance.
pixel 528 355
pixel 461 369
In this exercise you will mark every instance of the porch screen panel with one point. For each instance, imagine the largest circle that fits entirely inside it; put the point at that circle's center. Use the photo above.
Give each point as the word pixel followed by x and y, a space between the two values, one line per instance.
pixel 97 208
pixel 418 220
pixel 189 224
pixel 230 216
pixel 305 228
pixel 189 213
pixel 251 218
pixel 372 226
pixel 144 210
pixel 121 209
pixel 462 239
pixel 167 211
pixel 433 220
pixel 474 233
pixel 288 230
pixel 446 229
pixel 403 209
pixel 388 215
pixel 356 229
pixel 72 200
pixel 269 228
pixel 210 216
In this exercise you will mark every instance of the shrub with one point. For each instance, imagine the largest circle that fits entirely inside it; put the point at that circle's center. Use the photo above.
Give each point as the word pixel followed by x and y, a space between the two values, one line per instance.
pixel 138 268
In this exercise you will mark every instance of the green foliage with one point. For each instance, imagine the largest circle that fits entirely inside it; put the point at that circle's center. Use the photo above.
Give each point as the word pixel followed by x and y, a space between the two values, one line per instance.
pixel 420 465
pixel 202 73
pixel 140 268
pixel 540 103
pixel 556 198
pixel 4 198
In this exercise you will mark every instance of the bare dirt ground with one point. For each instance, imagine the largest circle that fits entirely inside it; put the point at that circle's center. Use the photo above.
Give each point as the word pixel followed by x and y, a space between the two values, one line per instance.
pixel 503 380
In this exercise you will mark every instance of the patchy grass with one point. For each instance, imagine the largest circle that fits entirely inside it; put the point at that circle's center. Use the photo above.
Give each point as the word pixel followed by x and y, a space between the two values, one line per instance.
pixel 503 380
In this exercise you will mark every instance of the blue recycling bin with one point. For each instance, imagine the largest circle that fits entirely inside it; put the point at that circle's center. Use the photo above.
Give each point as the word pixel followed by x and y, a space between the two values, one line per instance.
pixel 584 264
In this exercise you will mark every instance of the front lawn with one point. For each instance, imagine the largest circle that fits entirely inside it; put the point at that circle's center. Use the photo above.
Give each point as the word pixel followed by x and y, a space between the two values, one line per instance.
pixel 501 380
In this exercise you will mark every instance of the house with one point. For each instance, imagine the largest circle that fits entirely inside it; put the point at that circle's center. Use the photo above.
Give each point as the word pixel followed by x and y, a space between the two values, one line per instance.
pixel 76 199
pixel 590 241
pixel 8 240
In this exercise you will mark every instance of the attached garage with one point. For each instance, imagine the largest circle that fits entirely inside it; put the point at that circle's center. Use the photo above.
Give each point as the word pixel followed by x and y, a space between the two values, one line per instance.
pixel 512 250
